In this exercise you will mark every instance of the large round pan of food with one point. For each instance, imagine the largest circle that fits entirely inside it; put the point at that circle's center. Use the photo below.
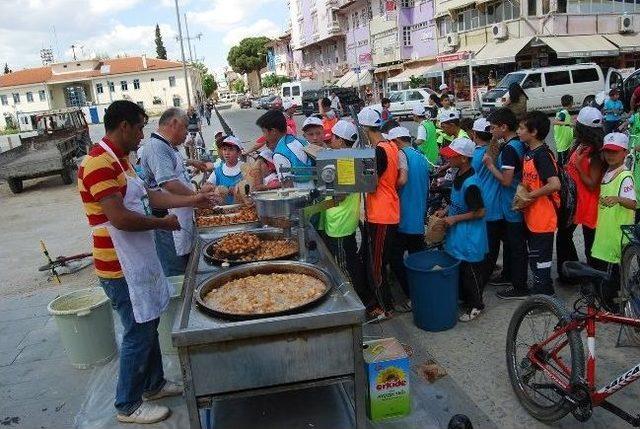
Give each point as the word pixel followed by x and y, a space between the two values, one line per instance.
pixel 250 246
pixel 235 214
pixel 263 289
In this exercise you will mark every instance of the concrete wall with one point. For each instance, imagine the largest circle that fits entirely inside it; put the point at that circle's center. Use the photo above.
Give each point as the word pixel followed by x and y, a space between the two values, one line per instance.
pixel 385 47
pixel 423 43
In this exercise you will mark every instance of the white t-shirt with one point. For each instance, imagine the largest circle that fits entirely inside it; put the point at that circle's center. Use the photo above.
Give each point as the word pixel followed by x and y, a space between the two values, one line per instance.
pixel 228 171
pixel 335 103
pixel 627 190
pixel 281 161
pixel 422 133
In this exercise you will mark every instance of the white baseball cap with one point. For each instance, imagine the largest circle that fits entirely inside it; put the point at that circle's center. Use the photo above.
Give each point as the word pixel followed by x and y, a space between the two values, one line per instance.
pixel 460 146
pixel 397 132
pixel 590 117
pixel 289 105
pixel 233 141
pixel 481 125
pixel 266 154
pixel 311 121
pixel 449 115
pixel 369 117
pixel 444 86
pixel 419 110
pixel 616 141
pixel 346 130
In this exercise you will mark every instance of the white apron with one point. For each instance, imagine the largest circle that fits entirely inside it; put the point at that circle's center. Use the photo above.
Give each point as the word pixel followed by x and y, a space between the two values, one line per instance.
pixel 149 289
pixel 183 239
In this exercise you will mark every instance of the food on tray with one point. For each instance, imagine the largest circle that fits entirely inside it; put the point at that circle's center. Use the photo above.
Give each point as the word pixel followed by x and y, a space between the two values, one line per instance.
pixel 206 218
pixel 265 293
pixel 268 249
pixel 234 245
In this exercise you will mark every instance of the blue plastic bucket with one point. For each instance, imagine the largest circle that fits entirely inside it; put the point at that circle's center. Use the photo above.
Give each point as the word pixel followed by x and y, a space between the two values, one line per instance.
pixel 433 283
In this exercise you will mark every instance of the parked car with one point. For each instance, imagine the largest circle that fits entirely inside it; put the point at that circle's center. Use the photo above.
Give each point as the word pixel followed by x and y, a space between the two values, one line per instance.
pixel 292 91
pixel 403 102
pixel 348 97
pixel 245 102
pixel 625 81
pixel 264 101
pixel 275 103
pixel 545 86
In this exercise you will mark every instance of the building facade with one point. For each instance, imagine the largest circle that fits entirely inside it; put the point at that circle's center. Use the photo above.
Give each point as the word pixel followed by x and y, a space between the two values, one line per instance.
pixel 280 56
pixel 152 83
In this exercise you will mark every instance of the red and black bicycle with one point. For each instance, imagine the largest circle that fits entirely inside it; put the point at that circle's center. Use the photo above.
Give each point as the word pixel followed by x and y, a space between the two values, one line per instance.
pixel 545 355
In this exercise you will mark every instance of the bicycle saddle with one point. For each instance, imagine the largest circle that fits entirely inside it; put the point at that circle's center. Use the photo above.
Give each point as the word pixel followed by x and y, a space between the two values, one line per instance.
pixel 582 272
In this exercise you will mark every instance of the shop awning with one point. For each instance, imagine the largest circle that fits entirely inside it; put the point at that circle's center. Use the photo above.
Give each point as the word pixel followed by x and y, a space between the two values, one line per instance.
pixel 406 75
pixel 453 5
pixel 350 79
pixel 580 46
pixel 625 42
pixel 388 68
pixel 501 52
pixel 345 79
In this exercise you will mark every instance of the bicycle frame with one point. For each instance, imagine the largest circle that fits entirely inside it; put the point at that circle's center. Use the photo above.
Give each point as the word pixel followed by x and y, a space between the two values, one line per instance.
pixel 563 379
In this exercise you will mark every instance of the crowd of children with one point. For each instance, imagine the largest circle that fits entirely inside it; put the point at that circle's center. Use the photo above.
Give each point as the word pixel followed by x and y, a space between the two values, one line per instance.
pixel 509 189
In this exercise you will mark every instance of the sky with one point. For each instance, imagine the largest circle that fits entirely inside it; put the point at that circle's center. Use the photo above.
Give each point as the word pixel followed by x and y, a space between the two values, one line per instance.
pixel 127 27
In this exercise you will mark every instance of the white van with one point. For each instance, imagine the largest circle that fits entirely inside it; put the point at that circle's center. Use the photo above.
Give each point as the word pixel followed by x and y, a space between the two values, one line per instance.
pixel 546 86
pixel 292 91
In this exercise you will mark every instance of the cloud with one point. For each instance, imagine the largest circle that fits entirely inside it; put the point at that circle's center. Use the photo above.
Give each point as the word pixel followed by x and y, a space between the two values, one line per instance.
pixel 224 14
pixel 262 27
pixel 100 7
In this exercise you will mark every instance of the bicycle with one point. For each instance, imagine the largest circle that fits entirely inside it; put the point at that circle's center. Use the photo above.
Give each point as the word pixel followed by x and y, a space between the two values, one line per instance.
pixel 547 369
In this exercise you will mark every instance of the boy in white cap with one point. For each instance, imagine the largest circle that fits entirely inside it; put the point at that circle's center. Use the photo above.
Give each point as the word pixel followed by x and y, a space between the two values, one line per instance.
pixel 490 187
pixel 427 136
pixel 450 125
pixel 313 131
pixel 289 108
pixel 413 193
pixel 339 224
pixel 616 208
pixel 466 238
pixel 226 176
pixel 382 207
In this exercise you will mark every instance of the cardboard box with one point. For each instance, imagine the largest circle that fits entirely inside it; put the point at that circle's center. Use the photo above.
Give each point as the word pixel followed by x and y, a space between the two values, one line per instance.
pixel 387 369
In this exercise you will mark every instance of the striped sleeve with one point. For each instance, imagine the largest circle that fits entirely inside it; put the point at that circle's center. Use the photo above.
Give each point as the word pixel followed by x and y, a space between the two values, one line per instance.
pixel 100 178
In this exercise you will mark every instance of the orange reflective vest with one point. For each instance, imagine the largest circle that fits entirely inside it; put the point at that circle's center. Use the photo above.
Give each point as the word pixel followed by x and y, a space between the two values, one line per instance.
pixel 383 205
pixel 540 215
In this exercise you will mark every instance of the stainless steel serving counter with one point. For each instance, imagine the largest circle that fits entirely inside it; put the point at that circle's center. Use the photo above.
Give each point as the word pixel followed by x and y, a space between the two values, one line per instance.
pixel 223 359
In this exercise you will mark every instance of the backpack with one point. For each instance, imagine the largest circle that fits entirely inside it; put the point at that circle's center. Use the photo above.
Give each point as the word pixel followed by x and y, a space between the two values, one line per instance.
pixel 568 193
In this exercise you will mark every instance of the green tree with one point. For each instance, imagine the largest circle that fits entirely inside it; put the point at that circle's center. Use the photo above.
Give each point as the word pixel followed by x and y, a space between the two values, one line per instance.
pixel 274 81
pixel 209 85
pixel 7 70
pixel 418 82
pixel 160 49
pixel 250 55
pixel 238 86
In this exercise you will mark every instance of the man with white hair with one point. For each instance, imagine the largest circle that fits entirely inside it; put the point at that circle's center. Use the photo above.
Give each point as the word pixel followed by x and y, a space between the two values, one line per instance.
pixel 163 167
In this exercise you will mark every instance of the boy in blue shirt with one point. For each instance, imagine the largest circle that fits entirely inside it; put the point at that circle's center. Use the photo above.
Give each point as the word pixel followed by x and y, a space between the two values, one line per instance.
pixel 466 238
pixel 613 110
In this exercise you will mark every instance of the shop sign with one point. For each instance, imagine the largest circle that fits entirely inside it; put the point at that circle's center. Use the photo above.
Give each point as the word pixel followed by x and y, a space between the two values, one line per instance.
pixel 306 74
pixel 446 58
pixel 364 58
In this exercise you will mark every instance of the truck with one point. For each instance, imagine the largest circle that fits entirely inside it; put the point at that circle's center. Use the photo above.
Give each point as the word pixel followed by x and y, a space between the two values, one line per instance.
pixel 62 136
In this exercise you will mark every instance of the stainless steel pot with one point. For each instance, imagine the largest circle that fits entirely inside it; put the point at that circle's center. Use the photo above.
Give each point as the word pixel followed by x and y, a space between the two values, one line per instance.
pixel 280 203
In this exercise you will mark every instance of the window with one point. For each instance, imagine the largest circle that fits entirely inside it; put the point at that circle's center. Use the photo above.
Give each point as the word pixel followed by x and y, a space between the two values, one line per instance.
pixel 3 100
pixel 16 98
pixel 381 7
pixel 414 96
pixel 356 19
pixel 286 91
pixel 29 97
pixel 153 79
pixel 557 78
pixel 562 6
pixel 406 36
pixel 123 85
pixel 296 91
pixel 176 101
pixel 407 3
pixel 532 7
pixel 42 95
pixel 534 80
pixel 172 81
pixel 112 87
pixel 136 83
pixel 99 88
pixel 584 75
pixel 314 23
pixel 396 97
pixel 347 24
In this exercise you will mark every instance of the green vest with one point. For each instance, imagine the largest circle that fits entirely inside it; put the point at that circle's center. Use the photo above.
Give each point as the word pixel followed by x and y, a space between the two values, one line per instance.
pixel 634 143
pixel 342 220
pixel 563 134
pixel 429 147
pixel 608 242
pixel 444 139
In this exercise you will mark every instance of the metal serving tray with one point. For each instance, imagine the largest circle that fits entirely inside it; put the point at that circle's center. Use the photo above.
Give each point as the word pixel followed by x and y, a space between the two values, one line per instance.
pixel 263 235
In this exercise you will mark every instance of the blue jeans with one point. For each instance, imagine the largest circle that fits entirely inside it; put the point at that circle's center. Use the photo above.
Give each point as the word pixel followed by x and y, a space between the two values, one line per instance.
pixel 140 357
pixel 172 264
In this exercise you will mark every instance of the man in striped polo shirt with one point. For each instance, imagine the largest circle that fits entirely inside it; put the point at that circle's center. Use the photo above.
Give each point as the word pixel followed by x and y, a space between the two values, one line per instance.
pixel 118 207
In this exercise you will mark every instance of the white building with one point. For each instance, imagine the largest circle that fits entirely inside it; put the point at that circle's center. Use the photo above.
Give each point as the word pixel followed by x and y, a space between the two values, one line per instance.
pixel 93 84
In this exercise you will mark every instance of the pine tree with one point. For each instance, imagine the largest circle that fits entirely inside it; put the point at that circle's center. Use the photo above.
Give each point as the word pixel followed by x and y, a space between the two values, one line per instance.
pixel 160 49
pixel 7 70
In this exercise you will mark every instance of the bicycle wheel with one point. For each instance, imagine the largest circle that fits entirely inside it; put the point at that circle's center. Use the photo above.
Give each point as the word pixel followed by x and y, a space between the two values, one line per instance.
pixel 533 322
pixel 630 287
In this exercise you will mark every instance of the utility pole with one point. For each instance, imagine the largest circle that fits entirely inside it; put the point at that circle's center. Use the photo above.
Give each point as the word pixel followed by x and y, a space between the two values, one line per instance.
pixel 184 61
pixel 186 26
pixel 73 48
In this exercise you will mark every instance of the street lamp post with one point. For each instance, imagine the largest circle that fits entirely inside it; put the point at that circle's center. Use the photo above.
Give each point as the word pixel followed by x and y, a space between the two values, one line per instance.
pixel 184 61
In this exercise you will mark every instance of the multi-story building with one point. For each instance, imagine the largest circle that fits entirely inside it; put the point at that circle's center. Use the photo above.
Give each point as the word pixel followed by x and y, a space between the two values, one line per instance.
pixel 152 83
pixel 353 17
pixel 317 35
pixel 280 56
pixel 499 36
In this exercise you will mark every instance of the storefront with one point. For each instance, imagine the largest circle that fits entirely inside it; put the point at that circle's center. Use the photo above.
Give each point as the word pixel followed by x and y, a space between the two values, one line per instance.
pixel 629 46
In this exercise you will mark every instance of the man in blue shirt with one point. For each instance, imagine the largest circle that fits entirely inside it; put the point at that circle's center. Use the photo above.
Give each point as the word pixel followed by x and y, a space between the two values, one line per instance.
pixel 613 110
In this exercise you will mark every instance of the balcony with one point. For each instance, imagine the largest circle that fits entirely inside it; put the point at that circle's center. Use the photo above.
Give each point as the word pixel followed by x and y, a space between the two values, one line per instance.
pixel 334 28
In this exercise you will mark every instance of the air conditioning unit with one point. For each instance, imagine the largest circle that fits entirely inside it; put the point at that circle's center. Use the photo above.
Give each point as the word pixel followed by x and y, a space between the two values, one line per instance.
pixel 625 24
pixel 499 31
pixel 453 40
